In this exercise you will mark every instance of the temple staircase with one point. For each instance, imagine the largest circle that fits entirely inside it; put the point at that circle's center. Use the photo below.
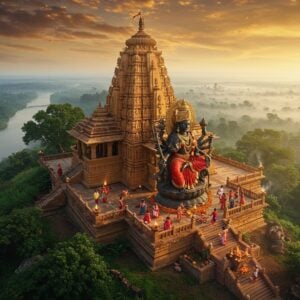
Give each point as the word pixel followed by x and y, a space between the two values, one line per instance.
pixel 73 173
pixel 53 201
pixel 242 286
pixel 258 289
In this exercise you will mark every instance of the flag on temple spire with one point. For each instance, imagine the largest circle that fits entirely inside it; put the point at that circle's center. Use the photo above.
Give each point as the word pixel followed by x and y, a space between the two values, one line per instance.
pixel 138 14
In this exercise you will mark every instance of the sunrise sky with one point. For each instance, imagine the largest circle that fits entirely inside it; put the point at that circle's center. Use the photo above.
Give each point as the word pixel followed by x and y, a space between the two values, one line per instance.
pixel 251 39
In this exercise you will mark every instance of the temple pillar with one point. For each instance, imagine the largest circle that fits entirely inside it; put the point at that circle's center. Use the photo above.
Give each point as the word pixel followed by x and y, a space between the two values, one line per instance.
pixel 93 151
pixel 109 149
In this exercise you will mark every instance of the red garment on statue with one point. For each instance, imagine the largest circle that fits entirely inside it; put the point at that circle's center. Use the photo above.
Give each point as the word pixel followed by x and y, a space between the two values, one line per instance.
pixel 187 177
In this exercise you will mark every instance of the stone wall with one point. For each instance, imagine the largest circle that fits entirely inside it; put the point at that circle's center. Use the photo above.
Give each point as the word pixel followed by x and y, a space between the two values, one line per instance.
pixel 97 171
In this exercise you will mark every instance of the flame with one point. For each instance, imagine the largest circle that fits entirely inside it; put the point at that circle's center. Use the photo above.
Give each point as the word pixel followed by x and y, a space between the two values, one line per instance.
pixel 105 183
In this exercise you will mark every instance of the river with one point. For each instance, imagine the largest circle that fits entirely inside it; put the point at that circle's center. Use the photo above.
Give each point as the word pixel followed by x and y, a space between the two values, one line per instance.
pixel 11 137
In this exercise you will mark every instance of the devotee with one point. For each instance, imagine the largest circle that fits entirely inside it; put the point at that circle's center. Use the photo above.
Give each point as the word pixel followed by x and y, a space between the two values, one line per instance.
pixel 223 235
pixel 220 192
pixel 104 191
pixel 255 273
pixel 122 196
pixel 214 215
pixel 59 170
pixel 155 211
pixel 223 201
pixel 96 197
pixel 143 207
pixel 242 199
pixel 167 223
pixel 147 217
pixel 179 212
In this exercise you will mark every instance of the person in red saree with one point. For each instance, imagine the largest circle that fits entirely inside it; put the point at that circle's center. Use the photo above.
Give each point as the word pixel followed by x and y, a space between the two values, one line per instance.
pixel 147 217
pixel 167 223
pixel 186 161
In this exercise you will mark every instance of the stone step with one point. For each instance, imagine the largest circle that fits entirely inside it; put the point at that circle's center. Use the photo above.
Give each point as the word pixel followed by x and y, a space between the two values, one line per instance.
pixel 256 289
pixel 223 249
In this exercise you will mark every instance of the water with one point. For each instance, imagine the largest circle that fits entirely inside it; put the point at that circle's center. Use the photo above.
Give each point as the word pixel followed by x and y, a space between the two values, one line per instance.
pixel 11 137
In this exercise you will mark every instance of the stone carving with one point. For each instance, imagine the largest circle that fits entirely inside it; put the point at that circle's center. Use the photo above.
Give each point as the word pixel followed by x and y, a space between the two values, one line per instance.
pixel 276 235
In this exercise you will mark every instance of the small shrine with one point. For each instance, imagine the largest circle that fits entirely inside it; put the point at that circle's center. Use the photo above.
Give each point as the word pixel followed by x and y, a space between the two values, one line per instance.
pixel 143 168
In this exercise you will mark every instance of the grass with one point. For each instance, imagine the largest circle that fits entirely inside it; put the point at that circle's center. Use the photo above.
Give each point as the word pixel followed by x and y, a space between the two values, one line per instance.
pixel 166 284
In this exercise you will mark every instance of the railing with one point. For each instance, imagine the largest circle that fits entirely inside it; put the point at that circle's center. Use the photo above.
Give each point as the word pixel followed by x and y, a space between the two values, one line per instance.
pixel 267 280
pixel 247 192
pixel 242 179
pixel 134 220
pixel 110 216
pixel 56 156
pixel 230 212
pixel 233 285
pixel 174 231
pixel 234 163
pixel 81 204
pixel 47 198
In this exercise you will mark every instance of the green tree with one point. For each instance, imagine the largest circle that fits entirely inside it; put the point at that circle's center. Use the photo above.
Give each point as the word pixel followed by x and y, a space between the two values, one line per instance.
pixel 23 189
pixel 72 270
pixel 16 163
pixel 22 233
pixel 266 146
pixel 51 126
pixel 283 178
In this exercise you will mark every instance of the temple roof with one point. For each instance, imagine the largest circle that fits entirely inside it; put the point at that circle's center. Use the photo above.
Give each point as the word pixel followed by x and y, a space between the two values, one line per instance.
pixel 101 127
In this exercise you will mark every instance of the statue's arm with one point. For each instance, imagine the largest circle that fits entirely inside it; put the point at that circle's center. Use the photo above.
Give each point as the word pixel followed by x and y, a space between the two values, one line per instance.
pixel 172 144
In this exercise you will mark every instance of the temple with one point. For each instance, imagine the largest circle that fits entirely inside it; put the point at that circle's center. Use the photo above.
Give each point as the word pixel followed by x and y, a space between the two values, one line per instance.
pixel 123 179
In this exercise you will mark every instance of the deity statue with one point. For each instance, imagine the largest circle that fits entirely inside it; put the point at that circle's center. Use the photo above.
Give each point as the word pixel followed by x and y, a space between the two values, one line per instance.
pixel 183 160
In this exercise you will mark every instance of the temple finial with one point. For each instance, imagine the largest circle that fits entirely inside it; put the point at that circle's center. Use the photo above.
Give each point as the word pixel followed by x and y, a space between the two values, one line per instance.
pixel 141 23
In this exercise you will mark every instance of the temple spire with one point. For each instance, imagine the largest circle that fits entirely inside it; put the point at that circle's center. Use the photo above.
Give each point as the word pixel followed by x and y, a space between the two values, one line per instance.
pixel 141 23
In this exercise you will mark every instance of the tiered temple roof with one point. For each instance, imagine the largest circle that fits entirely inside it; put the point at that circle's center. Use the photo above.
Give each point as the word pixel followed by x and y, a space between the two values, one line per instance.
pixel 101 127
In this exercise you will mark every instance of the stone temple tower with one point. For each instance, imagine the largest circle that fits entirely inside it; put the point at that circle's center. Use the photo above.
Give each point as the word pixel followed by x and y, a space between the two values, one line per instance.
pixel 140 93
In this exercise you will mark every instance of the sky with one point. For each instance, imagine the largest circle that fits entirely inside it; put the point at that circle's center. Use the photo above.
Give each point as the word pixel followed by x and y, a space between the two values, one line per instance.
pixel 231 39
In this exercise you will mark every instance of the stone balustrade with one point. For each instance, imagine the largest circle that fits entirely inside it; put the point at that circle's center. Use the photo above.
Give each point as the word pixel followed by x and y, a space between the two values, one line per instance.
pixel 138 223
pixel 247 192
pixel 174 231
pixel 235 163
pixel 56 156
pixel 231 212
pixel 81 204
pixel 110 216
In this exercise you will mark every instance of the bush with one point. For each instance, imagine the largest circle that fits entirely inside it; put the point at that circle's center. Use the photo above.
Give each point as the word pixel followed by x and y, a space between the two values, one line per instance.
pixel 16 163
pixel 23 233
pixel 293 257
pixel 72 270
pixel 23 189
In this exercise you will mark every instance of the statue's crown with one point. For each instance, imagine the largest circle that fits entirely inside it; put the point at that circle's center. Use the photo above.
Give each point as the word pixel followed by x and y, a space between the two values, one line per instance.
pixel 182 112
